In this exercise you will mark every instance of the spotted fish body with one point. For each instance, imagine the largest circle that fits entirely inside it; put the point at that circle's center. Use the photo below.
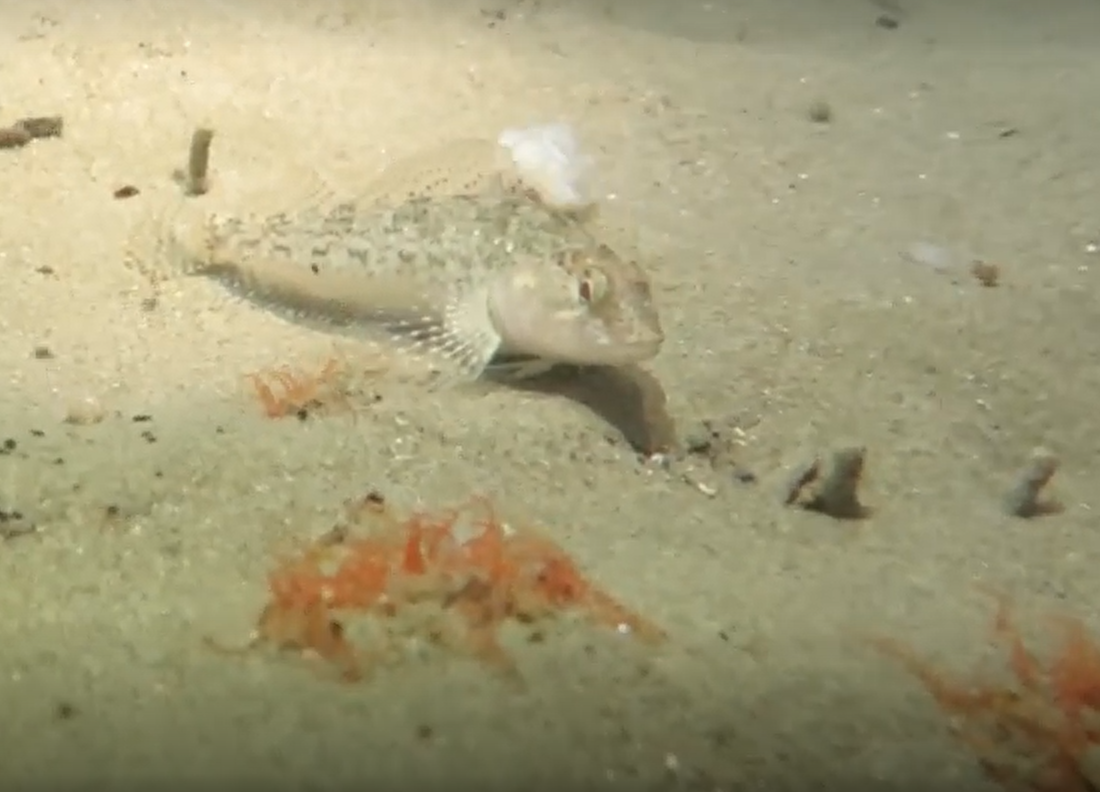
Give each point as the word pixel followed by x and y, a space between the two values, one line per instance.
pixel 463 271
pixel 376 257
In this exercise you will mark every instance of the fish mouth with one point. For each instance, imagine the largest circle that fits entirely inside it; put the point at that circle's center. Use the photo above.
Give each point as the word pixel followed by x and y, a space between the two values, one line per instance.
pixel 617 353
pixel 587 352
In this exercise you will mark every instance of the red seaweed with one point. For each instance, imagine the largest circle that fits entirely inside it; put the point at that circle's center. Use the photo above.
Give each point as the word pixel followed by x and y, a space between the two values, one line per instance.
pixel 475 572
pixel 1030 729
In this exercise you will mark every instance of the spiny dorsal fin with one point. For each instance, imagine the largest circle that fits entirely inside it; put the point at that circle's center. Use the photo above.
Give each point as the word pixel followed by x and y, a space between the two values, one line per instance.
pixel 467 166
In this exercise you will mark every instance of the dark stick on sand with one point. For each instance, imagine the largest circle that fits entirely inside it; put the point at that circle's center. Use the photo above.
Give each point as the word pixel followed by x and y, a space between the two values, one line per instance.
pixel 198 162
pixel 25 130
pixel 14 137
pixel 836 488
pixel 42 126
pixel 1025 499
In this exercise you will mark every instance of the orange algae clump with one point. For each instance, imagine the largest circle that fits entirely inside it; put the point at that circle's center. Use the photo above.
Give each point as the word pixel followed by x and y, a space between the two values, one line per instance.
pixel 465 569
pixel 285 392
pixel 1032 730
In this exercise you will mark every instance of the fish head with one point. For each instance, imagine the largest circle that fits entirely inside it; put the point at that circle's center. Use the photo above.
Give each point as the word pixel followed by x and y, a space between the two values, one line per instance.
pixel 585 307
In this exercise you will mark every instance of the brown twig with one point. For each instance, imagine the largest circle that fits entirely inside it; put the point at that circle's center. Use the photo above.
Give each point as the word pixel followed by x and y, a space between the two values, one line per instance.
pixel 1025 499
pixel 25 130
pixel 836 490
pixel 198 162
pixel 42 126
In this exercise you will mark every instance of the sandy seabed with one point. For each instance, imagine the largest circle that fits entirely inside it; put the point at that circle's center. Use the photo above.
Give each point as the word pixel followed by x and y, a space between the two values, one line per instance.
pixel 814 282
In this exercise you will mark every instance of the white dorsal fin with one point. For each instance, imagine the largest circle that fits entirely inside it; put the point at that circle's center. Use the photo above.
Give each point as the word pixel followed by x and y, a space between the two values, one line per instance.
pixel 466 166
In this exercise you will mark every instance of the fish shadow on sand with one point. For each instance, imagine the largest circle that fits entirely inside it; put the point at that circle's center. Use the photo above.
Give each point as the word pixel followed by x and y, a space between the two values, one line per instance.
pixel 629 398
